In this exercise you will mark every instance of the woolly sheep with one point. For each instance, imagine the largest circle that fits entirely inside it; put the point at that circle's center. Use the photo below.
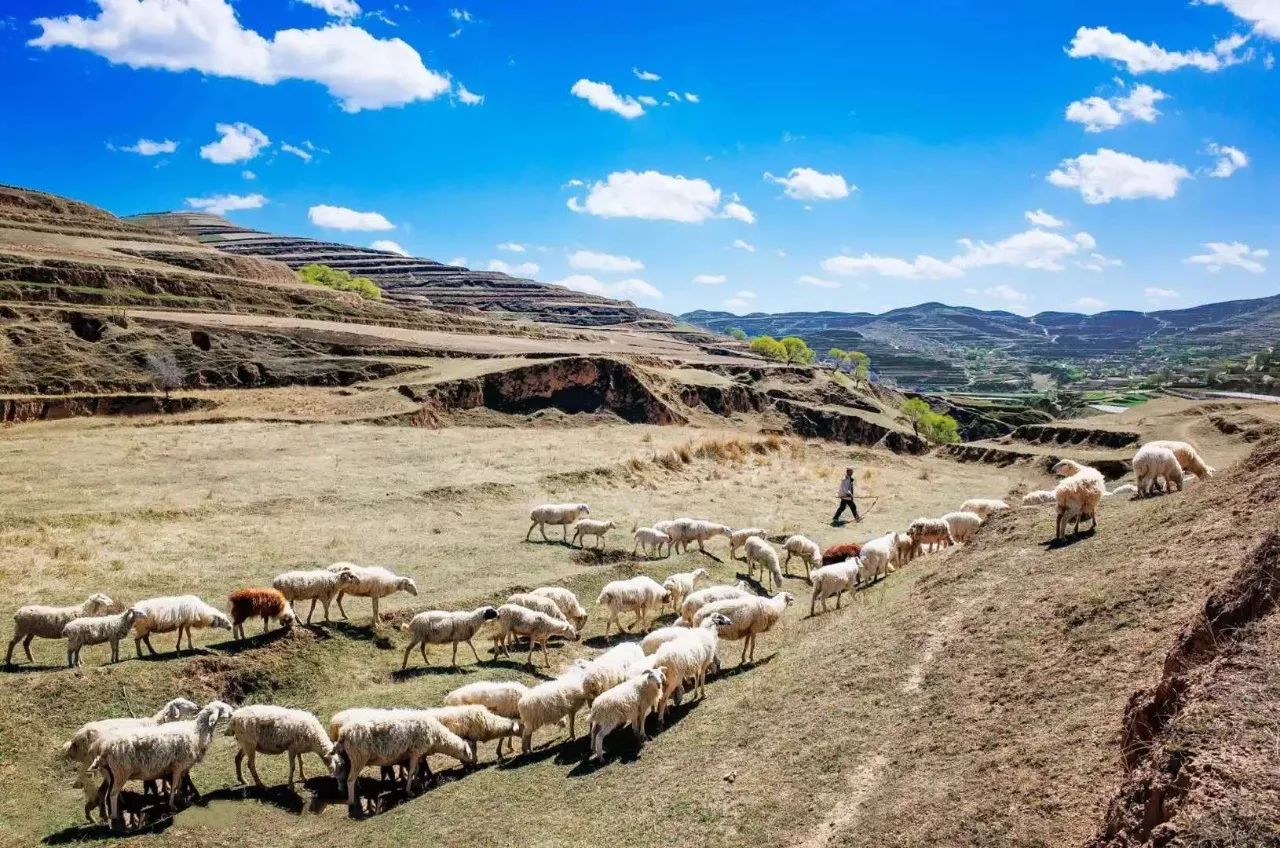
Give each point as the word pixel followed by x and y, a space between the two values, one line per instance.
pixel 1041 497
pixel 315 584
pixel 1078 497
pixel 928 531
pixel 266 604
pixel 748 617
pixel 681 583
pixel 615 665
pixel 840 553
pixel 49 622
pixel 650 540
pixel 550 702
pixel 689 658
pixel 584 527
pixel 441 627
pixel 514 621
pixel 501 698
pixel 373 582
pixel 878 555
pixel 342 718
pixel 655 639
pixel 627 703
pixel 567 601
pixel 268 729
pixel 903 547
pixel 180 613
pixel 1153 464
pixel 687 530
pixel 738 538
pixel 538 603
pixel 962 525
pixel 640 594
pixel 759 552
pixel 1188 457
pixel 475 723
pixel 806 549
pixel 96 630
pixel 833 580
pixel 1128 489
pixel 392 738
pixel 984 508
pixel 1067 467
pixel 697 600
pixel 561 514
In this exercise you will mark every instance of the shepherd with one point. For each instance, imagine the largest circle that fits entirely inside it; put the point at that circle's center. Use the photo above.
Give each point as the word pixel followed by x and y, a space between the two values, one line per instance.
pixel 846 499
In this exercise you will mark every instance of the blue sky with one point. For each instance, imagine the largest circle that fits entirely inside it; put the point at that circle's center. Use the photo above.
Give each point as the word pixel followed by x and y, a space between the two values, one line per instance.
pixel 833 155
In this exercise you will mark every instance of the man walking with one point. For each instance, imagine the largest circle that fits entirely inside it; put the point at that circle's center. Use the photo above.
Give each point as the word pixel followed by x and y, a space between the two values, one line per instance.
pixel 846 498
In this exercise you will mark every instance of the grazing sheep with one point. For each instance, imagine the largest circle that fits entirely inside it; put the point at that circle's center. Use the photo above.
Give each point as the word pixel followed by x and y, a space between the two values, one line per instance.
pixel 266 604
pixel 759 552
pixel 738 538
pixel 267 729
pixel 902 550
pixel 549 703
pixel 748 618
pixel 681 583
pixel 1188 457
pixel 568 603
pixel 514 621
pixel 650 540
pixel 538 603
pixel 833 580
pixel 1128 489
pixel 841 552
pixel 615 665
pixel 629 702
pixel 393 738
pixel 584 527
pixel 315 584
pixel 1041 497
pixel 180 613
pixel 1153 464
pixel 373 582
pixel 500 698
pixel 806 549
pixel 689 657
pixel 49 622
pixel 441 627
pixel 639 594
pixel 161 751
pixel 475 723
pixel 962 525
pixel 687 530
pixel 928 531
pixel 1067 467
pixel 96 630
pixel 342 718
pixel 878 555
pixel 984 508
pixel 697 600
pixel 1078 497
pixel 555 514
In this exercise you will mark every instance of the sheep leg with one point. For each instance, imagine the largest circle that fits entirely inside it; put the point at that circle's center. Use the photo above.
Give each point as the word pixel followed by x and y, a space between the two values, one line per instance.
pixel 375 610
pixel 178 647
pixel 566 532
pixel 572 715
pixel 743 659
pixel 239 759
pixel 473 650
pixel 405 663
pixel 190 647
pixel 455 654
pixel 115 651
pixel 8 656
pixel 291 759
pixel 526 739
pixel 546 660
pixel 71 658
pixel 26 647
pixel 116 784
pixel 265 626
pixel 174 786
pixel 340 609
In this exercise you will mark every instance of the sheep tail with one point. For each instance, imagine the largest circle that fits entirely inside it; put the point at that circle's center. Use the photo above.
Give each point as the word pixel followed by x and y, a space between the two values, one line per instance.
pixel 66 749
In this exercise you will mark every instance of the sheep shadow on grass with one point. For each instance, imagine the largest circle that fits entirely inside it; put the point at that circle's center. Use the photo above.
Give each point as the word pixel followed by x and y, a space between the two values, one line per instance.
pixel 391 794
pixel 416 671
pixel 1069 540
pixel 259 640
pixel 146 814
pixel 596 556
pixel 14 668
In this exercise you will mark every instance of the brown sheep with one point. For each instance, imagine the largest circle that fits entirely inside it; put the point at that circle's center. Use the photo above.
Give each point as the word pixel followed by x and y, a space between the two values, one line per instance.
pixel 244 604
pixel 840 553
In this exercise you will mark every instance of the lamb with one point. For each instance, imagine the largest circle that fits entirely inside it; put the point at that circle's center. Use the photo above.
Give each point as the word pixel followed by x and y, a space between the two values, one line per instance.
pixel 681 583
pixel 738 538
pixel 639 594
pixel 630 702
pixel 1078 496
pixel 568 602
pixel 1041 497
pixel 686 530
pixel 902 550
pixel 96 630
pixel 759 552
pixel 833 580
pixel 689 658
pixel 806 549
pixel 584 527
pixel 500 698
pixel 180 613
pixel 928 531
pixel 266 604
pixel 440 627
pixel 650 540
pixel 553 514
pixel 1188 457
pixel 962 525
pixel 550 702
pixel 316 584
pixel 538 603
pixel 392 738
pixel 373 582
pixel 163 751
pixel 267 729
pixel 841 552
pixel 1128 489
pixel 474 723
pixel 615 665
pixel 711 594
pixel 518 621
pixel 748 618
pixel 49 622
pixel 1154 463
pixel 878 555
pixel 983 507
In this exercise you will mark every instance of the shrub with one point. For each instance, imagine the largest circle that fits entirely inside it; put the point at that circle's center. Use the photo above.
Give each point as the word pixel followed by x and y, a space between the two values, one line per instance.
pixel 914 411
pixel 738 333
pixel 940 428
pixel 798 350
pixel 769 348
pixel 339 280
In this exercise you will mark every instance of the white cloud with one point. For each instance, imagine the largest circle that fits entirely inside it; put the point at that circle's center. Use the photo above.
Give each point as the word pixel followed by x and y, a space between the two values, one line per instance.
pixel 1230 255
pixel 461 15
pixel 673 95
pixel 1230 160
pixel 239 143
pixel 460 261
pixel 1098 263
pixel 1090 304
pixel 361 71
pixel 513 247
pixel 1140 57
pixel 808 184
pixel 647 76
pixel 248 175
pixel 646 100
pixel 342 218
pixel 810 280
pixel 1098 114
pixel 1263 14
pixel 744 245
pixel 389 246
pixel 1154 293
pixel 741 301
pixel 602 96
pixel 1041 218
pixel 147 147
pixel 655 196
pixel 623 289
pixel 337 8
pixel 590 260
pixel 469 98
pixel 710 279
pixel 691 97
pixel 920 268
pixel 1269 61
pixel 221 204
pixel 1107 175
pixel 304 155
pixel 1008 294
pixel 521 269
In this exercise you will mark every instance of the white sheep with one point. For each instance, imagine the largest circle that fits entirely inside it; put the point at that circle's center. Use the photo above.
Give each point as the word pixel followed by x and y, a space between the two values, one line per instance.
pixel 748 618
pixel 689 657
pixel 1042 497
pixel 878 556
pixel 809 552
pixel 475 723
pixel 538 603
pixel 49 622
pixel 833 580
pixel 738 538
pixel 610 668
pixel 514 621
pixel 650 540
pixel 180 613
pixel 373 582
pixel 962 525
pixel 394 738
pixel 655 639
pixel 584 527
pixel 697 600
pixel 567 601
pixel 499 697
pixel 640 594
pixel 681 583
pixel 555 514
pixel 984 508
pixel 928 531
pixel 1153 464
pixel 758 552
pixel 443 627
pixel 627 703
pixel 1128 489
pixel 1078 496
pixel 98 629
pixel 903 550
pixel 550 702
pixel 314 584
pixel 686 530
pixel 1188 457
pixel 268 729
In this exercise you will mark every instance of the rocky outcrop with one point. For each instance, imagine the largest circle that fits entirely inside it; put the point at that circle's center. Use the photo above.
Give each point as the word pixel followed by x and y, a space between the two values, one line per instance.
pixel 723 400
pixel 1112 469
pixel 21 410
pixel 848 427
pixel 1047 434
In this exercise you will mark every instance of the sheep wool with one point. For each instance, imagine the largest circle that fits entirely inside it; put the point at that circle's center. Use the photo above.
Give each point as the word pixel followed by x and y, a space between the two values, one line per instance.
pixel 373 582
pixel 96 630
pixel 933 532
pixel 548 703
pixel 1039 498
pixel 680 584
pixel 49 622
pixel 831 580
pixel 962 525
pixel 738 538
pixel 689 657
pixel 1154 465
pixel 615 665
pixel 1188 457
pixel 759 552
pixel 393 738
pixel 655 639
pixel 984 508
pixel 806 549
pixel 266 604
pixel 627 703
pixel 268 729
pixel 1078 497
pixel 686 530
pixel 584 527
pixel 700 598
pixel 748 618
pixel 538 603
pixel 567 601
pixel 840 553
pixel 180 613
pixel 474 723
pixel 501 698
pixel 514 621
pixel 441 627
pixel 649 540
pixel 641 595
pixel 1128 489
pixel 315 585
pixel 555 514
pixel 878 555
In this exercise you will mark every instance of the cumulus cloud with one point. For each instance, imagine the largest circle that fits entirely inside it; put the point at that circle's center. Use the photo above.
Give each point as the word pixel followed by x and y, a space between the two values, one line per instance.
pixel 344 9
pixel 513 247
pixel 646 100
pixel 1153 293
pixel 520 269
pixel 342 218
pixel 808 184
pixel 239 143
pixel 1106 175
pixel 818 282
pixel 304 155
pixel 590 260
pixel 389 246
pixel 1263 14
pixel 1015 298
pixel 221 204
pixel 1099 114
pixel 361 71
pixel 623 289
pixel 147 147
pixel 248 175
pixel 1098 263
pixel 691 97
pixel 744 245
pixel 1041 218
pixel 736 210
pixel 1140 57
pixel 467 97
pixel 1230 160
pixel 741 301
pixel 920 268
pixel 1090 304
pixel 1230 255
pixel 710 279
pixel 461 15
pixel 655 196
pixel 647 76
pixel 602 96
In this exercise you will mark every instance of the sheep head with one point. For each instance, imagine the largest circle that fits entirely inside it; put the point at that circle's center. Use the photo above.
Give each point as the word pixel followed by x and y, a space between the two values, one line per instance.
pixel 788 599
pixel 611 525
pixel 98 602
pixel 716 620
pixel 288 618
pixel 406 584
pixel 219 621
pixel 701 572
pixel 584 509
pixel 133 614
pixel 346 576
pixel 567 631
pixel 178 708
pixel 488 613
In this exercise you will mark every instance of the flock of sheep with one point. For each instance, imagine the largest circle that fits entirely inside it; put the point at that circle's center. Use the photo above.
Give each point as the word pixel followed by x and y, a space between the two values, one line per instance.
pixel 619 688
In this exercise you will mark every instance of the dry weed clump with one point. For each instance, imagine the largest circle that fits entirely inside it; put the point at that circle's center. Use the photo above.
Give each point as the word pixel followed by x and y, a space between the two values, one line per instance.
pixel 736 449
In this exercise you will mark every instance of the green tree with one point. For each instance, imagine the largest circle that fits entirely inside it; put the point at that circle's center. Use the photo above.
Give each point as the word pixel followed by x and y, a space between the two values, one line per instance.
pixel 861 365
pixel 798 350
pixel 769 348
pixel 738 333
pixel 914 411
pixel 339 280
pixel 939 428
pixel 837 357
